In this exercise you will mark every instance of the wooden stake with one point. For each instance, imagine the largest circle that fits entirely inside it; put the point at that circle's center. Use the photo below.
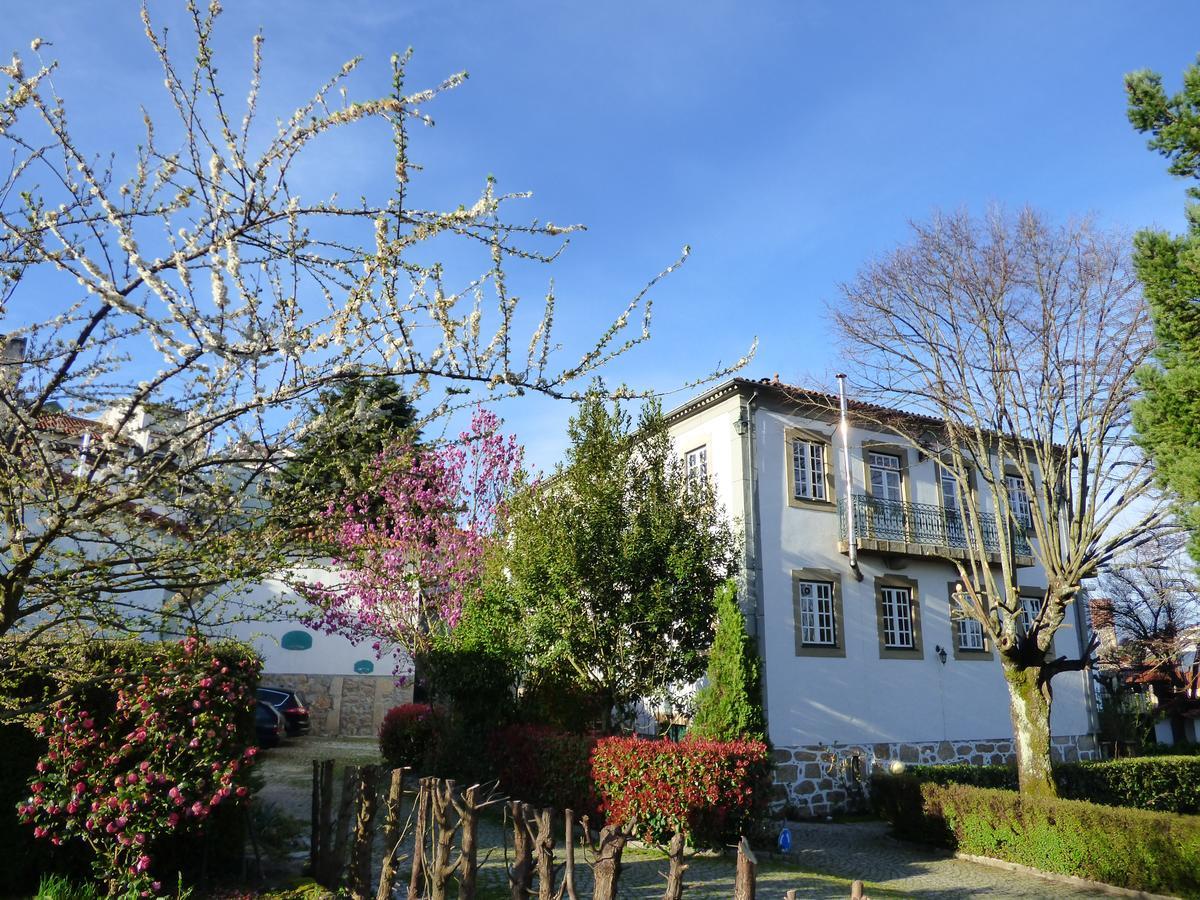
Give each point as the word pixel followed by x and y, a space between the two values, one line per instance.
pixel 606 870
pixel 364 833
pixel 416 881
pixel 324 873
pixel 747 865
pixel 468 865
pixel 675 868
pixel 569 844
pixel 391 835
pixel 341 840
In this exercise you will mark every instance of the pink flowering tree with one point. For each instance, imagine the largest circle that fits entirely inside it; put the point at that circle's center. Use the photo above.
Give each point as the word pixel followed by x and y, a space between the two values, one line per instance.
pixel 149 755
pixel 411 546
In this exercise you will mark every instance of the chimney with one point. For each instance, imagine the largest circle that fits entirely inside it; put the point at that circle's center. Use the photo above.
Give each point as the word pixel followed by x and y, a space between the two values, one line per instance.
pixel 12 361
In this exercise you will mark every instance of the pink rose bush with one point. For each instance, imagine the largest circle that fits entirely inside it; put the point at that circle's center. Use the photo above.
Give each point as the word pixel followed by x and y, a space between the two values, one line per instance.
pixel 150 754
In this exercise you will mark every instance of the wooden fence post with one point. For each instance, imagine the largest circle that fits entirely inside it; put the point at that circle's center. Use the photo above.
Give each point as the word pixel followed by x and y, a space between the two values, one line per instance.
pixel 747 864
pixel 416 881
pixel 391 835
pixel 606 870
pixel 520 879
pixel 675 868
pixel 341 839
pixel 468 866
pixel 323 872
pixel 569 850
pixel 364 833
pixel 856 891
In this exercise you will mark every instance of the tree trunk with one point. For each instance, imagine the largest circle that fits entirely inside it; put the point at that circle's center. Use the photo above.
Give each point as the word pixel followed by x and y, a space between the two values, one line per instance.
pixel 543 851
pixel 468 864
pixel 1029 699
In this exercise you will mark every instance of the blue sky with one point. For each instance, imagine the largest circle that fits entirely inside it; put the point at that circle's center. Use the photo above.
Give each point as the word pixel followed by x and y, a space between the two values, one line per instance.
pixel 787 143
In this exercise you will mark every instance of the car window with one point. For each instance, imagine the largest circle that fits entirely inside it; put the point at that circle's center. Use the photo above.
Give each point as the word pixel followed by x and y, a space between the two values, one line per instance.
pixel 272 697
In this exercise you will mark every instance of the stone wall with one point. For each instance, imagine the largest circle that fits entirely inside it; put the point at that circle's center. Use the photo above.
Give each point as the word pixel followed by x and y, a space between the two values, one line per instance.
pixel 344 705
pixel 818 780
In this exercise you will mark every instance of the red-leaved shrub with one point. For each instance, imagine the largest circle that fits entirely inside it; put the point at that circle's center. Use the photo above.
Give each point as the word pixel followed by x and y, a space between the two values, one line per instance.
pixel 546 767
pixel 713 791
pixel 410 734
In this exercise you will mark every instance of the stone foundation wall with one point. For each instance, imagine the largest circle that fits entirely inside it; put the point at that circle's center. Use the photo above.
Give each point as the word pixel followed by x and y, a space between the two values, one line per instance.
pixel 817 780
pixel 344 705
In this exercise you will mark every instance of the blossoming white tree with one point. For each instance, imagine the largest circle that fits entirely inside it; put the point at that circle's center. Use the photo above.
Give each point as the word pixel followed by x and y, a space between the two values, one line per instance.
pixel 199 298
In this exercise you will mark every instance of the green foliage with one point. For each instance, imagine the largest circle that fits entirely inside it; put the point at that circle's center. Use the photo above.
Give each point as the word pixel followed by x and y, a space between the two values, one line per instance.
pixel 348 427
pixel 1164 784
pixel 1130 848
pixel 1167 418
pixel 473 670
pixel 615 560
pixel 728 706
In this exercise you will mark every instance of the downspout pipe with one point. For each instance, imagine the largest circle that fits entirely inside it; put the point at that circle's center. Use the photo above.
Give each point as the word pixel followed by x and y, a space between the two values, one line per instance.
pixel 847 473
pixel 752 553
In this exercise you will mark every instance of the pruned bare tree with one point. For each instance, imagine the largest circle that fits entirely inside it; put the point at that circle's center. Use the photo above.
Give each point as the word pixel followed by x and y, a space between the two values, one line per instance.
pixel 182 312
pixel 1014 342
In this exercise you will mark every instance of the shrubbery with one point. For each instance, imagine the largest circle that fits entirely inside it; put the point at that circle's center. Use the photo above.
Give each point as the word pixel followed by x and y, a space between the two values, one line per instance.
pixel 1164 784
pixel 1131 848
pixel 546 767
pixel 144 754
pixel 711 790
pixel 411 734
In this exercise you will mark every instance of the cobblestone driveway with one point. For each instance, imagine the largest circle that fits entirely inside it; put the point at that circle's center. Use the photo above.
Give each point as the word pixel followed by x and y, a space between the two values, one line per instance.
pixel 823 860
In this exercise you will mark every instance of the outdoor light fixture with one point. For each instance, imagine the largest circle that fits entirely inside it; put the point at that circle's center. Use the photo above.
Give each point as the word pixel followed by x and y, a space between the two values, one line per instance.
pixel 941 653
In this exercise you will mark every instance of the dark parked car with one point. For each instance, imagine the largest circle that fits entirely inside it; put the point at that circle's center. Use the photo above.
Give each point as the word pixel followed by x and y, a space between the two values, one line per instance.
pixel 269 725
pixel 291 704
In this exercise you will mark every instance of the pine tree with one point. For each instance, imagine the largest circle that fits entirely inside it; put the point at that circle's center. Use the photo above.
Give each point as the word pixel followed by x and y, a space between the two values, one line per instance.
pixel 1167 418
pixel 728 706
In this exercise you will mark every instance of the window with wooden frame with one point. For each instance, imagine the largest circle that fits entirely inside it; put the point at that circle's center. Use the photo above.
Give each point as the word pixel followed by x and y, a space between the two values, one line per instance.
pixel 967 636
pixel 817 612
pixel 897 610
pixel 1018 500
pixel 809 457
pixel 696 462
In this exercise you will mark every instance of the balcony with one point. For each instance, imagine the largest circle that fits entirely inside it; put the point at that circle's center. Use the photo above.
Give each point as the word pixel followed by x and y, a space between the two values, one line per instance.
pixel 921 529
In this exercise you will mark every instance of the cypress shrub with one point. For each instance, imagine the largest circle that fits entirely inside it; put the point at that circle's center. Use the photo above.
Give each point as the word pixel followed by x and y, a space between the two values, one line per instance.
pixel 728 706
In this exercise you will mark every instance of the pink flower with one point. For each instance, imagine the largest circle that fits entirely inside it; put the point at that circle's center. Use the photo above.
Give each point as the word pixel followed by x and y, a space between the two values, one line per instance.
pixel 143 863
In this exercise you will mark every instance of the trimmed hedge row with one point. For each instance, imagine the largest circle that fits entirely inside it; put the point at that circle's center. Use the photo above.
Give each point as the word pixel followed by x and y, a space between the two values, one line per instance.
pixel 1162 784
pixel 713 791
pixel 1130 848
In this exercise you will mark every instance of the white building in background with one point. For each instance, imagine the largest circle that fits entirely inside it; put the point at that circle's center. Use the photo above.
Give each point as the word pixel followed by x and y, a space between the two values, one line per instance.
pixel 348 690
pixel 865 667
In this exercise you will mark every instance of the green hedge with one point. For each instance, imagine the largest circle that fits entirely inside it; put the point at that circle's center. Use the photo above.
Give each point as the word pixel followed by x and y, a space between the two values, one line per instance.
pixel 1130 848
pixel 1163 784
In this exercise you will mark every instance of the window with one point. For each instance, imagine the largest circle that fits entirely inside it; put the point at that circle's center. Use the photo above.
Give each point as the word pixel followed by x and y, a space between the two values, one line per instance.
pixel 970 634
pixel 897 618
pixel 808 470
pixel 697 465
pixel 1018 499
pixel 956 534
pixel 885 475
pixel 1030 607
pixel 817 624
pixel 817 613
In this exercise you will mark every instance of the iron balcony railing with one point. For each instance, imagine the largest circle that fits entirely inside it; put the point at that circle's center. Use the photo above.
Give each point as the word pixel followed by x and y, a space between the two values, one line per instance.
pixel 922 523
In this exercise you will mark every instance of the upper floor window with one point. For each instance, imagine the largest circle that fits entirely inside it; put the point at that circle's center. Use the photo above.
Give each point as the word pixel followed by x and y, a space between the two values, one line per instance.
pixel 885 476
pixel 808 470
pixel 950 501
pixel 970 634
pixel 897 618
pixel 1018 499
pixel 1030 607
pixel 697 465
pixel 817 624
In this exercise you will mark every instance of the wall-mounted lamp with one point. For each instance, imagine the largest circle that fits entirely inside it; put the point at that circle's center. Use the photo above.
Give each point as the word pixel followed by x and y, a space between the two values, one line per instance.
pixel 941 653
pixel 742 425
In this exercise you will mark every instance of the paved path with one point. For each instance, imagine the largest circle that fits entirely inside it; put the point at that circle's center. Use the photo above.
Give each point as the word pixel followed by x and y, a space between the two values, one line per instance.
pixel 824 857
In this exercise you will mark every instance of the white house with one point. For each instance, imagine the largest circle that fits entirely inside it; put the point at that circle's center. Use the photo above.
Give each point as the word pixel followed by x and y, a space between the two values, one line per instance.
pixel 865 667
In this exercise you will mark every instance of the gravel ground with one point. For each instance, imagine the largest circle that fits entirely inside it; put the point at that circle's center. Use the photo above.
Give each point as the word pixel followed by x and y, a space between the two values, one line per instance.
pixel 824 858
